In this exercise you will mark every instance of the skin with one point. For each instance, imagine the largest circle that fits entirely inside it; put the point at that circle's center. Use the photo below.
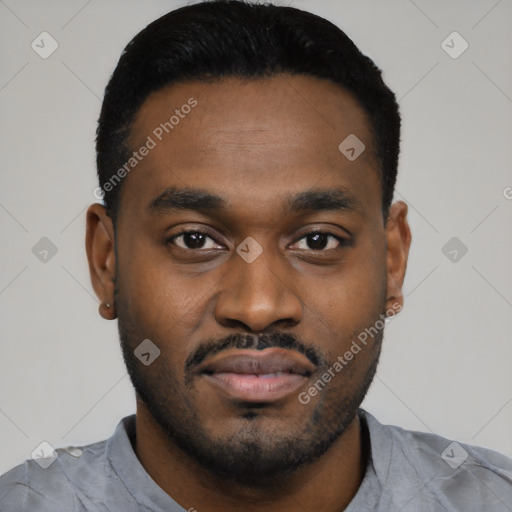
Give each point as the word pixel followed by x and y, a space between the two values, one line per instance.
pixel 254 143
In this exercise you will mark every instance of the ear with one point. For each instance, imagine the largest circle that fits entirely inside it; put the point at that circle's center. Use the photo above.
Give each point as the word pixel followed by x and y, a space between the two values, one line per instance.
pixel 398 241
pixel 99 243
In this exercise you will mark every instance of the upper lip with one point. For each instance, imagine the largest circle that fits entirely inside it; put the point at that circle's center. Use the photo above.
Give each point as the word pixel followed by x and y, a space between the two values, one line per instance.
pixel 258 362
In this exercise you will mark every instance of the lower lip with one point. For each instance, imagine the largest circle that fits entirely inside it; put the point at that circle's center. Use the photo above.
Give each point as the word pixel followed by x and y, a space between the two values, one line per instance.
pixel 257 388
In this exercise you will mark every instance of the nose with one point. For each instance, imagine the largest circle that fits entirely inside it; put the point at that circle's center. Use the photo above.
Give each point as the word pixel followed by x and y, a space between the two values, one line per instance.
pixel 258 296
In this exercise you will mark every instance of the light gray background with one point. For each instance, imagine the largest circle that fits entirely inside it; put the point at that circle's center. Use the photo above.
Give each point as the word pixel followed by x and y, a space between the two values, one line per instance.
pixel 446 363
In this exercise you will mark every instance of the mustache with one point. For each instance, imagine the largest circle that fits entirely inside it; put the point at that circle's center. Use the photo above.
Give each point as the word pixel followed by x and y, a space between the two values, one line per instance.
pixel 252 341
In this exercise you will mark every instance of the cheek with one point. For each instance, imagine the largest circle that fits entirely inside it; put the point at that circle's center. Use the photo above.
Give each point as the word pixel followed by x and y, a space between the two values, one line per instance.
pixel 346 303
pixel 161 302
pixel 146 279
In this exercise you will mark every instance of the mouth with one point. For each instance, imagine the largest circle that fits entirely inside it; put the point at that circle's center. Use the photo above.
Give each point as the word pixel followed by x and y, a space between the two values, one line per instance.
pixel 257 375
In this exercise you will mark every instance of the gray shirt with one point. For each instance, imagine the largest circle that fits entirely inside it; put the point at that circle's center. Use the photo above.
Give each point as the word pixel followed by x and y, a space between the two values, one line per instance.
pixel 407 471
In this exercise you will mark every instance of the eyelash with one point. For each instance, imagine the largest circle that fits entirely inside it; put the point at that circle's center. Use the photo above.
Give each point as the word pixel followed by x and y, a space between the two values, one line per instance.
pixel 342 241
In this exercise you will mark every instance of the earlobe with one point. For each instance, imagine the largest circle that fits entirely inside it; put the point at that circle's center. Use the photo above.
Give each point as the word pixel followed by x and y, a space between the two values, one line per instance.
pixel 107 311
pixel 99 242
pixel 398 237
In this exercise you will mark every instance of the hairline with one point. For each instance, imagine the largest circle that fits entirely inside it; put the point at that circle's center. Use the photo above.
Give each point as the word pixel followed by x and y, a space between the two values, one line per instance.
pixel 128 143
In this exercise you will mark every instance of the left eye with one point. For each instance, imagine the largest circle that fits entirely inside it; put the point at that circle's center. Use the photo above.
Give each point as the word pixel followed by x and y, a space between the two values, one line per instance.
pixel 319 241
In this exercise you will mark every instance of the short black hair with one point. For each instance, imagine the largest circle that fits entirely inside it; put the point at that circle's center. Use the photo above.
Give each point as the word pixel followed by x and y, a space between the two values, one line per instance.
pixel 216 39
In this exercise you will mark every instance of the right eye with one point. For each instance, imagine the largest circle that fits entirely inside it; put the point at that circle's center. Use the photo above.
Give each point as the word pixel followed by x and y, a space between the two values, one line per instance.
pixel 193 240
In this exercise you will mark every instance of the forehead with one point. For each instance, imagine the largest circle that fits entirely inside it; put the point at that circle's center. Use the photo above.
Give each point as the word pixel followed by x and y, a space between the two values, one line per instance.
pixel 259 138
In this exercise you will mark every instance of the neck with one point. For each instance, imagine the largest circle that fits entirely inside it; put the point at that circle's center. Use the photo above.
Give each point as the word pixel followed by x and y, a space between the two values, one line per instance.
pixel 327 484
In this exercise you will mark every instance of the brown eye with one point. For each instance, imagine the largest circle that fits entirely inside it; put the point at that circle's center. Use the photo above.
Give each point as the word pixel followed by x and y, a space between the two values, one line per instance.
pixel 193 240
pixel 319 241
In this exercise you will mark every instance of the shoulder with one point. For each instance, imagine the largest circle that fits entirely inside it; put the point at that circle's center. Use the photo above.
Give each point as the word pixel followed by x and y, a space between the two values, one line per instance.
pixel 51 484
pixel 439 471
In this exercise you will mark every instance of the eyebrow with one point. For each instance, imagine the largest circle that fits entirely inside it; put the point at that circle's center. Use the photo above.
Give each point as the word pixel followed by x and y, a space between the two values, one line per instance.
pixel 202 201
pixel 174 199
pixel 318 200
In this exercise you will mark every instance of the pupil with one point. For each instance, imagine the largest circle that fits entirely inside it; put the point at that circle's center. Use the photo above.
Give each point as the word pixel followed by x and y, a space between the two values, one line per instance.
pixel 317 240
pixel 194 240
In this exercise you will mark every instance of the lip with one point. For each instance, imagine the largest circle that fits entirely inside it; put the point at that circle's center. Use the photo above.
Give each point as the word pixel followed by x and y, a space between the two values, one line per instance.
pixel 257 375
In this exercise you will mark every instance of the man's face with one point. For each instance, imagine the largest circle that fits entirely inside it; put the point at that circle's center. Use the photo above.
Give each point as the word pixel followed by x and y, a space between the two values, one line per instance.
pixel 269 150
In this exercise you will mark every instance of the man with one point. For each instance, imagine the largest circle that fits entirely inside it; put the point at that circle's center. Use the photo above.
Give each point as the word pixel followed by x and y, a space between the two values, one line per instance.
pixel 250 250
